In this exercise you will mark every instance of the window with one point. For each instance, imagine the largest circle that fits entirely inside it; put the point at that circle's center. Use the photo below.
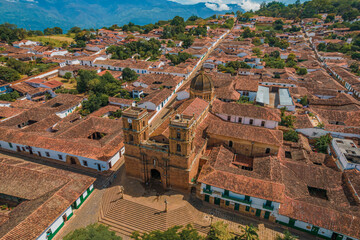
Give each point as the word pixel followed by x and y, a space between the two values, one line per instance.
pixel 287 154
pixel 178 148
pixel 267 151
pixel 251 121
pixel 130 125
pixel 268 203
pixel 240 120
pixel 10 145
pixel 247 208
pixel 229 118
pixel 263 123
pixel 85 163
pixel 47 154
pixel 230 143
pixel 226 193
pixel 247 198
pixel 208 187
pixel 178 135
pixel 48 233
pixel 227 203
pixel 60 157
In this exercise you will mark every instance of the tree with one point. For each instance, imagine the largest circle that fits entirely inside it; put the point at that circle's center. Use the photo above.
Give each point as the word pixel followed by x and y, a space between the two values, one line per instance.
pixel 188 41
pixel 83 79
pixel 257 52
pixel 67 75
pixel 74 30
pixel 256 41
pixel 302 71
pixel 10 97
pixel 249 233
pixel 287 236
pixel 186 233
pixel 94 102
pixel 278 24
pixel 304 101
pixel 129 75
pixel 248 33
pixel 92 232
pixel 53 31
pixel 219 231
pixel 177 21
pixel 291 136
pixel 8 74
pixel 322 143
pixel 287 120
pixel 275 54
pixel 355 55
pixel 10 33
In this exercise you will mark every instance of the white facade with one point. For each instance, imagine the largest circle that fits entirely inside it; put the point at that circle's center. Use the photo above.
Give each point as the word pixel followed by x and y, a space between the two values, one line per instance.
pixel 66 112
pixel 60 156
pixel 249 121
pixel 56 224
pixel 257 203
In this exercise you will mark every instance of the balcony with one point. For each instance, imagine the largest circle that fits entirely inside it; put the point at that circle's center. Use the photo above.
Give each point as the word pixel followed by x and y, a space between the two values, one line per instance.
pixel 237 199
pixel 271 208
pixel 207 191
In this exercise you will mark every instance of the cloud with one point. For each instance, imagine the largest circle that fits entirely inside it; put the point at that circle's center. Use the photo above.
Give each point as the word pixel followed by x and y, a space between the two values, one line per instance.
pixel 217 6
pixel 222 5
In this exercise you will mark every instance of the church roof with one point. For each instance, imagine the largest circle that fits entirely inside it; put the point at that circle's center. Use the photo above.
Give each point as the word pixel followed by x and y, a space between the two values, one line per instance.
pixel 202 82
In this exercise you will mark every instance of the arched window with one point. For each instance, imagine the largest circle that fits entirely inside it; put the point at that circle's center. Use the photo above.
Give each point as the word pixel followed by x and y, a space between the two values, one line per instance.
pixel 267 151
pixel 230 143
pixel 178 135
pixel 178 148
pixel 131 138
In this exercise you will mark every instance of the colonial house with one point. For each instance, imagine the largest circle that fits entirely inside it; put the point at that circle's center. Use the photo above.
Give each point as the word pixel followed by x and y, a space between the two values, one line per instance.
pixel 54 131
pixel 45 198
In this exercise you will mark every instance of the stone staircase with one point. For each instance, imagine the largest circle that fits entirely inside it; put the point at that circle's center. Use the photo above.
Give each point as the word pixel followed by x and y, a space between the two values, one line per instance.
pixel 126 216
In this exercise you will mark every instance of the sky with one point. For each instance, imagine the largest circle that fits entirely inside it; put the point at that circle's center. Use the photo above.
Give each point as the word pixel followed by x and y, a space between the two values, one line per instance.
pixel 221 5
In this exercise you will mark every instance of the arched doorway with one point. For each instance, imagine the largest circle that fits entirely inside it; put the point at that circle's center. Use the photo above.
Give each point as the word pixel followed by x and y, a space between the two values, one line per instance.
pixel 155 174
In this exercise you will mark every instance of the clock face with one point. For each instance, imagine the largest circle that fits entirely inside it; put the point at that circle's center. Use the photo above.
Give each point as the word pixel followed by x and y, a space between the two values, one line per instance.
pixel 129 120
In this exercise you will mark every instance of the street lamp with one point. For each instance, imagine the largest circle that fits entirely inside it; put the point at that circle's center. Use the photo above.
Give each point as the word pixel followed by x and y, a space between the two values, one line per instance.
pixel 166 205
pixel 211 219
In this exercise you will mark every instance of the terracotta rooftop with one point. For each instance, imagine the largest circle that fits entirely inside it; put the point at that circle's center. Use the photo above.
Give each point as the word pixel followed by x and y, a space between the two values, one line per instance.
pixel 245 132
pixel 264 181
pixel 246 110
pixel 47 191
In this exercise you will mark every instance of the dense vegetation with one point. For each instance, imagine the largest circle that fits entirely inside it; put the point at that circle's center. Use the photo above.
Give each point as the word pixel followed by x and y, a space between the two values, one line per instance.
pixel 348 9
pixel 232 67
pixel 92 232
pixel 142 48
pixel 15 68
pixel 218 231
pixel 10 97
pixel 179 58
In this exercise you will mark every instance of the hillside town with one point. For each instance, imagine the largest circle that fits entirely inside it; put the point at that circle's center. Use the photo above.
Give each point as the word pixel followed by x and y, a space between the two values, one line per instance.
pixel 243 115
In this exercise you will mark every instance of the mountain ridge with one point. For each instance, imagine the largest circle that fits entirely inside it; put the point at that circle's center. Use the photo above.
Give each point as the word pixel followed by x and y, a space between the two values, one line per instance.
pixel 37 15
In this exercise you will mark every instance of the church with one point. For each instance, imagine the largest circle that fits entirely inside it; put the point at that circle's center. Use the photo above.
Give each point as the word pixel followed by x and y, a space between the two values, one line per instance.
pixel 175 150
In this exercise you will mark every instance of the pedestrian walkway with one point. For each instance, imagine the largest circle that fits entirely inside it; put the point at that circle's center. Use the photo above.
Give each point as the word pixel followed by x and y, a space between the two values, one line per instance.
pixel 142 209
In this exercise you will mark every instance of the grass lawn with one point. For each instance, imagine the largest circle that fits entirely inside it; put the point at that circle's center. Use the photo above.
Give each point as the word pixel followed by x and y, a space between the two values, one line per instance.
pixel 56 40
pixel 66 83
pixel 267 27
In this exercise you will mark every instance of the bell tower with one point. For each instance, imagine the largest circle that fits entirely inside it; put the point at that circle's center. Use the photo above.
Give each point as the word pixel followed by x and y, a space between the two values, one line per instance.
pixel 135 125
pixel 181 135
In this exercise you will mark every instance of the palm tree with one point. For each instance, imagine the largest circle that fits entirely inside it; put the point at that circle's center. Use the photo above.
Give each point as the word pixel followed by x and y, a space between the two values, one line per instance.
pixel 249 233
pixel 287 236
